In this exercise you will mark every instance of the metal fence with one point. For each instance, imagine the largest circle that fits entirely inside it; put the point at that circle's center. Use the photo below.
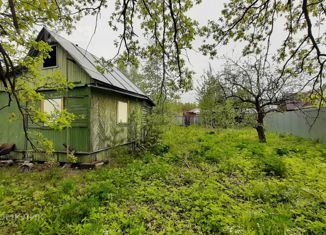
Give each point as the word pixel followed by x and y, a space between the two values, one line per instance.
pixel 194 120
pixel 300 123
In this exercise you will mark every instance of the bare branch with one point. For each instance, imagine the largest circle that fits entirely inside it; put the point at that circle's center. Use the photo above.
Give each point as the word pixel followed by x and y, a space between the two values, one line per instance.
pixel 13 14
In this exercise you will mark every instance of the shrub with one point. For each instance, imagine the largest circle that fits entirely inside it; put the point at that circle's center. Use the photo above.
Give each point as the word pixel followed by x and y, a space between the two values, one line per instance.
pixel 67 186
pixel 273 166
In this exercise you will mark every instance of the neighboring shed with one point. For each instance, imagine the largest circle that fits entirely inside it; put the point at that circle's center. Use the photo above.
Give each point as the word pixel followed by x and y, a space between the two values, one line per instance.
pixel 294 102
pixel 106 106
pixel 191 117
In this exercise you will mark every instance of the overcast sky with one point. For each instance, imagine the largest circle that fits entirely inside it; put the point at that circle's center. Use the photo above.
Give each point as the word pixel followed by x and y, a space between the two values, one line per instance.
pixel 102 42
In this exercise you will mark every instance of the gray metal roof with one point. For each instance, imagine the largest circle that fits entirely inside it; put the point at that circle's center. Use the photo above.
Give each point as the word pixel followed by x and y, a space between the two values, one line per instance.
pixel 88 62
pixel 195 110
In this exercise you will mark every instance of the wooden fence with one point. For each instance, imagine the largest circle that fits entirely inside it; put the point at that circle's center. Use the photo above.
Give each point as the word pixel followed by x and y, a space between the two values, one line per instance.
pixel 300 123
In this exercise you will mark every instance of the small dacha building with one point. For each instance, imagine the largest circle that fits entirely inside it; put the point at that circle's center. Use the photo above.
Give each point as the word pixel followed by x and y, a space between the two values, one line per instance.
pixel 110 110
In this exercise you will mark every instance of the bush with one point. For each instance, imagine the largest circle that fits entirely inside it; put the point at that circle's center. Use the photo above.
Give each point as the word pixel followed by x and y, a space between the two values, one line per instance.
pixel 274 166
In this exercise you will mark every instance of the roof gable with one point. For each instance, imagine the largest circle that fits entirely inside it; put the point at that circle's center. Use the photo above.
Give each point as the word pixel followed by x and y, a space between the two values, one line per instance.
pixel 87 61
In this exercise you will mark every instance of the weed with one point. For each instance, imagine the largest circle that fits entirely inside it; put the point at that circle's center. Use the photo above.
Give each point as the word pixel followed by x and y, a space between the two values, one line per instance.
pixel 196 181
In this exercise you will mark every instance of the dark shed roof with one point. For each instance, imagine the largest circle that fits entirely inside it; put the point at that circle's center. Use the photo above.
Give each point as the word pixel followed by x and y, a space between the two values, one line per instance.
pixel 113 78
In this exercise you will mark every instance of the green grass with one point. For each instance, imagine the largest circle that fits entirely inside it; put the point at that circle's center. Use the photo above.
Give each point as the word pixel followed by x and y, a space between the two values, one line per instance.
pixel 199 182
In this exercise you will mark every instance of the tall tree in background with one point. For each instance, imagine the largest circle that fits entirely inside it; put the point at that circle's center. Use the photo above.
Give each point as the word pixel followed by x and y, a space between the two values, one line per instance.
pixel 216 110
pixel 165 26
pixel 254 82
pixel 149 79
pixel 299 24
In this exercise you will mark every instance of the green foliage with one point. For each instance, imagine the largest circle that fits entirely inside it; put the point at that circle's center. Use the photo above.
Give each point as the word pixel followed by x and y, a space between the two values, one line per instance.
pixel 216 110
pixel 274 166
pixel 174 107
pixel 21 60
pixel 168 30
pixel 254 24
pixel 150 80
pixel 152 132
pixel 29 83
pixel 199 181
pixel 164 92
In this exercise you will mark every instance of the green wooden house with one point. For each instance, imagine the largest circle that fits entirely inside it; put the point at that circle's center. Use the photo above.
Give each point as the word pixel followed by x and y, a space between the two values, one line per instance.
pixel 105 106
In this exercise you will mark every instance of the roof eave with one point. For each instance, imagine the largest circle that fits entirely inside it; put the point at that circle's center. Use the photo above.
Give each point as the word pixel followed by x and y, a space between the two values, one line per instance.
pixel 121 91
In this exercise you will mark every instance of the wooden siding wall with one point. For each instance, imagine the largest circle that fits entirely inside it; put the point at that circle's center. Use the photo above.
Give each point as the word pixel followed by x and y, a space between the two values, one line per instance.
pixel 11 123
pixel 77 102
pixel 68 67
pixel 76 74
pixel 105 131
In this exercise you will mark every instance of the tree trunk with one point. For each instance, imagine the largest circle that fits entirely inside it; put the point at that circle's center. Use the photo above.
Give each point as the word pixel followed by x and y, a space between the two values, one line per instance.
pixel 260 128
pixel 261 133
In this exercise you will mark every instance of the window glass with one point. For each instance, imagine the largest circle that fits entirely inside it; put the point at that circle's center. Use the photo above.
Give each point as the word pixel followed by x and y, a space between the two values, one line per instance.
pixel 51 61
pixel 122 112
pixel 52 105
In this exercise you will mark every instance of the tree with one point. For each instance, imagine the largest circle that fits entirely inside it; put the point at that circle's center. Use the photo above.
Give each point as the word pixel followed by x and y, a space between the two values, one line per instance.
pixel 216 111
pixel 21 57
pixel 165 26
pixel 253 82
pixel 300 24
pixel 149 78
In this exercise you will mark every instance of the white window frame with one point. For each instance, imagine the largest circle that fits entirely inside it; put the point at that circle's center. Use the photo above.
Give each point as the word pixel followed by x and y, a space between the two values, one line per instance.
pixel 52 104
pixel 122 112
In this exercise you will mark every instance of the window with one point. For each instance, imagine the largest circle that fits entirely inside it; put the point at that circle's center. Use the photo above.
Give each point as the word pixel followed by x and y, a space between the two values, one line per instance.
pixel 51 61
pixel 50 106
pixel 122 112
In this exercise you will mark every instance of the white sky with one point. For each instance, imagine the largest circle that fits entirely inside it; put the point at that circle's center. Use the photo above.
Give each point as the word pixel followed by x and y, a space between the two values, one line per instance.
pixel 102 41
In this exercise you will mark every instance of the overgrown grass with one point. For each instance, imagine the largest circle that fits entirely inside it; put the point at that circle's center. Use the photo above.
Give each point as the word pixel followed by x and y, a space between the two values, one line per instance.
pixel 199 182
